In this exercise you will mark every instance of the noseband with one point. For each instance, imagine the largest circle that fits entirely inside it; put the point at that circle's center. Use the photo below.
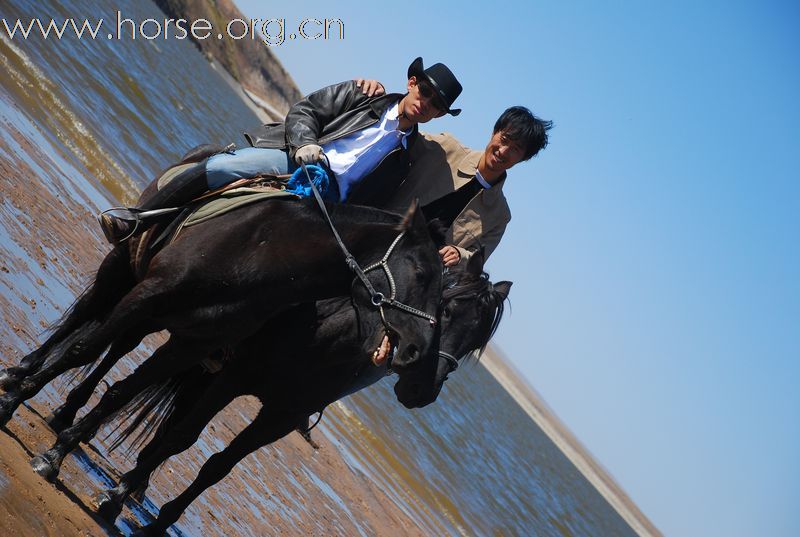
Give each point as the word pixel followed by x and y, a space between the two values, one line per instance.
pixel 452 363
pixel 378 299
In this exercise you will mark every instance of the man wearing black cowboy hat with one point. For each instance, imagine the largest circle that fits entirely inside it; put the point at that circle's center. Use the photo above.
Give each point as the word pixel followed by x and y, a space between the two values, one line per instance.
pixel 364 139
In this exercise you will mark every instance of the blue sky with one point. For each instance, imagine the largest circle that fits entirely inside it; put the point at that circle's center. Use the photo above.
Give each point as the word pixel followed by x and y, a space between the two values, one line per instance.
pixel 653 249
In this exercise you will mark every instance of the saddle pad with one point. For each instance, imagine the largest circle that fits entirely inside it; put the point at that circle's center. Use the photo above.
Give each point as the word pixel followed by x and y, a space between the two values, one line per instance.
pixel 233 199
pixel 155 238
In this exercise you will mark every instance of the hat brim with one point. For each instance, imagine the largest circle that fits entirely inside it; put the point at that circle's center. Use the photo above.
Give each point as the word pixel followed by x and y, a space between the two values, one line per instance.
pixel 417 70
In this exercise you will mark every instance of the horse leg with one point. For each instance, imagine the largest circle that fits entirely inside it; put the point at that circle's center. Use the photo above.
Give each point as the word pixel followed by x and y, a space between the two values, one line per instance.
pixel 113 280
pixel 64 416
pixel 175 435
pixel 262 431
pixel 30 386
pixel 166 361
pixel 129 313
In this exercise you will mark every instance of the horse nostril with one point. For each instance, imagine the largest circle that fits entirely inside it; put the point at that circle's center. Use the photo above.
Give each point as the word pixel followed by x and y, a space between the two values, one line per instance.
pixel 412 352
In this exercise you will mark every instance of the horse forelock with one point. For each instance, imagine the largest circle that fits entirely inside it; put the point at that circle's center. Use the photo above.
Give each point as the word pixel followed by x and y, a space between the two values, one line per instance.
pixel 490 302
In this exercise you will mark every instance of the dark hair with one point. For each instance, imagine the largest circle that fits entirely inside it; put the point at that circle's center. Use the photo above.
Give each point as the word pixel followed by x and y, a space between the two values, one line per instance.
pixel 523 127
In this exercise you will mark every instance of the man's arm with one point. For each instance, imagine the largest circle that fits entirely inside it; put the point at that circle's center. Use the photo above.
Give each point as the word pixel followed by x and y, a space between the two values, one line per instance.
pixel 490 239
pixel 307 118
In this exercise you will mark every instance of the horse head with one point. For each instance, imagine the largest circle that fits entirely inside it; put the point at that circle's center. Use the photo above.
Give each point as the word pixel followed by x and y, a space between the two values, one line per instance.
pixel 409 280
pixel 472 307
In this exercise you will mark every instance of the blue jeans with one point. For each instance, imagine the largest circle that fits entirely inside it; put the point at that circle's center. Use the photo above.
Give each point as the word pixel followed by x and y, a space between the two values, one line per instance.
pixel 224 168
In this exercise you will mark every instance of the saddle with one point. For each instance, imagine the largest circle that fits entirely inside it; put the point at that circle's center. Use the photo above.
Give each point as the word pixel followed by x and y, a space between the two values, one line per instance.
pixel 207 207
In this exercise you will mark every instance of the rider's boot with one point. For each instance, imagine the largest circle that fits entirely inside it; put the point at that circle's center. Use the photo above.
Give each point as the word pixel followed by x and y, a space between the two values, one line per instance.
pixel 187 185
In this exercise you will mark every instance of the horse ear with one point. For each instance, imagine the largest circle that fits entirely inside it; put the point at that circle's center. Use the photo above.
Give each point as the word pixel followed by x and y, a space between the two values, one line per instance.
pixel 503 288
pixel 411 214
pixel 414 217
pixel 438 232
pixel 475 263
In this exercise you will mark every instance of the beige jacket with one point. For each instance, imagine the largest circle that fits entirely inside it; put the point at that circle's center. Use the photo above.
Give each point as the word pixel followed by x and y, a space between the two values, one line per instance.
pixel 439 166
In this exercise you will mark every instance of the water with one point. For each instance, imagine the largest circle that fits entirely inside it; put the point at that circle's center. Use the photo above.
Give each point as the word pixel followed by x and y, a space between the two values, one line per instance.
pixel 95 120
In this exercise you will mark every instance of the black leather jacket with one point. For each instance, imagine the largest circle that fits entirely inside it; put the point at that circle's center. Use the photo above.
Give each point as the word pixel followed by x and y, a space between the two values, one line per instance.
pixel 332 113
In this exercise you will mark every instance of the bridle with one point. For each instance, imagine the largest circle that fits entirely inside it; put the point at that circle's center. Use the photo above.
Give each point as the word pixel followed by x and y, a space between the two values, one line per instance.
pixel 452 363
pixel 377 299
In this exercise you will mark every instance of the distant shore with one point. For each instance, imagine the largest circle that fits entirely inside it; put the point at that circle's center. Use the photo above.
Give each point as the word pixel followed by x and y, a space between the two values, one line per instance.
pixel 533 404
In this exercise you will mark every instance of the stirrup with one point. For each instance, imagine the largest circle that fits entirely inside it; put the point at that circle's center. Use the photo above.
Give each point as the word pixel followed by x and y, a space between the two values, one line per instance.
pixel 131 214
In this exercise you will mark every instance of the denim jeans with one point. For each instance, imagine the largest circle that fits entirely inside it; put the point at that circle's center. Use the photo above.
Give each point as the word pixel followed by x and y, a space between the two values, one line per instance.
pixel 224 168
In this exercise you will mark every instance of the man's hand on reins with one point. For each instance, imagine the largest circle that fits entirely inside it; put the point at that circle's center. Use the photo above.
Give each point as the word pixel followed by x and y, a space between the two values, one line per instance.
pixel 308 154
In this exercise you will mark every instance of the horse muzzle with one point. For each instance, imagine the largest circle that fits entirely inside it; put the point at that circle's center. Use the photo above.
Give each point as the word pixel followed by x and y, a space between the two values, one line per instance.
pixel 412 393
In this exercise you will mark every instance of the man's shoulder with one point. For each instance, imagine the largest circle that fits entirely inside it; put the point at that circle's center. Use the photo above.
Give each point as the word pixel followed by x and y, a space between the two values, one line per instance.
pixel 444 139
pixel 454 150
pixel 348 91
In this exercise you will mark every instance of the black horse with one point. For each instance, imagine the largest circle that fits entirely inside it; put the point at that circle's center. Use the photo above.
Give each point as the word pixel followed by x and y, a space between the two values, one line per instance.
pixel 218 283
pixel 315 360
pixel 471 310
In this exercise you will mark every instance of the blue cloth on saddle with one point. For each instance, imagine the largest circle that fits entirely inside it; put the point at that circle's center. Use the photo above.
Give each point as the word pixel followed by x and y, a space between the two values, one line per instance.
pixel 298 183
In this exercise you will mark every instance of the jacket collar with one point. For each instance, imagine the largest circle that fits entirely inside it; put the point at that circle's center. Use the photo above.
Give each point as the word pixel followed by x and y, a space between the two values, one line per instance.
pixel 466 171
pixel 380 104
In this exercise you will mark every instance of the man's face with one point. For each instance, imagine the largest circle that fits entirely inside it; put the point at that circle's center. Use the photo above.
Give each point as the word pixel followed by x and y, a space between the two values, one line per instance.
pixel 422 102
pixel 502 153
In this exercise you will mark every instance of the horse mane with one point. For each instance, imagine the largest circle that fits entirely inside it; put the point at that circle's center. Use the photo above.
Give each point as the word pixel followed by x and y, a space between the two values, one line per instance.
pixel 479 287
pixel 361 213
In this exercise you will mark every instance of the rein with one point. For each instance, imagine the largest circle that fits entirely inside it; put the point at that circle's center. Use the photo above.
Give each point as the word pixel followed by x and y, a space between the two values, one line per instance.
pixel 378 299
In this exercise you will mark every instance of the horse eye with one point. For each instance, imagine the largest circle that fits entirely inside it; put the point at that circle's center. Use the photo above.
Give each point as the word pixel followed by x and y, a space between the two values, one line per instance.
pixel 447 312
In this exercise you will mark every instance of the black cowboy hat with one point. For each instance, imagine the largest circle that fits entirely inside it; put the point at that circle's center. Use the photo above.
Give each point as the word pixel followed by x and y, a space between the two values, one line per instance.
pixel 441 79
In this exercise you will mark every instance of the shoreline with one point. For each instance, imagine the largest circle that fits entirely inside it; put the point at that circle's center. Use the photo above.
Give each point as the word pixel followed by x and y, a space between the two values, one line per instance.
pixel 504 372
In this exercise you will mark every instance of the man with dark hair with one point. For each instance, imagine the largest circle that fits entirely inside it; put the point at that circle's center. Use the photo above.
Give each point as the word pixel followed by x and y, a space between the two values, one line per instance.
pixel 363 138
pixel 441 165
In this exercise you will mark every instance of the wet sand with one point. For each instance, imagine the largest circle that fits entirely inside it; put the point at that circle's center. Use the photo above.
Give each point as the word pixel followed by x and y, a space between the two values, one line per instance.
pixel 50 246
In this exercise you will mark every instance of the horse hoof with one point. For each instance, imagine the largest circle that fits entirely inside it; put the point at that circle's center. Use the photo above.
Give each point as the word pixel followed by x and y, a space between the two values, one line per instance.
pixel 148 531
pixel 44 468
pixel 107 507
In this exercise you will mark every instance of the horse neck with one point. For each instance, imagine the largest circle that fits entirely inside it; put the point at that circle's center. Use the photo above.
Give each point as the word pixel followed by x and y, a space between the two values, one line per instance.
pixel 367 240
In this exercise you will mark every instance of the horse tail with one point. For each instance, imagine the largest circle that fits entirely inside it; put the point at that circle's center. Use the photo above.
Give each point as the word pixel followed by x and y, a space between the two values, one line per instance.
pixel 152 407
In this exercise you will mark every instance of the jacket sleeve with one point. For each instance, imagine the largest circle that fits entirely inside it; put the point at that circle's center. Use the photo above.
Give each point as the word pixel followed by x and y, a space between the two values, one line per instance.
pixel 308 117
pixel 490 239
